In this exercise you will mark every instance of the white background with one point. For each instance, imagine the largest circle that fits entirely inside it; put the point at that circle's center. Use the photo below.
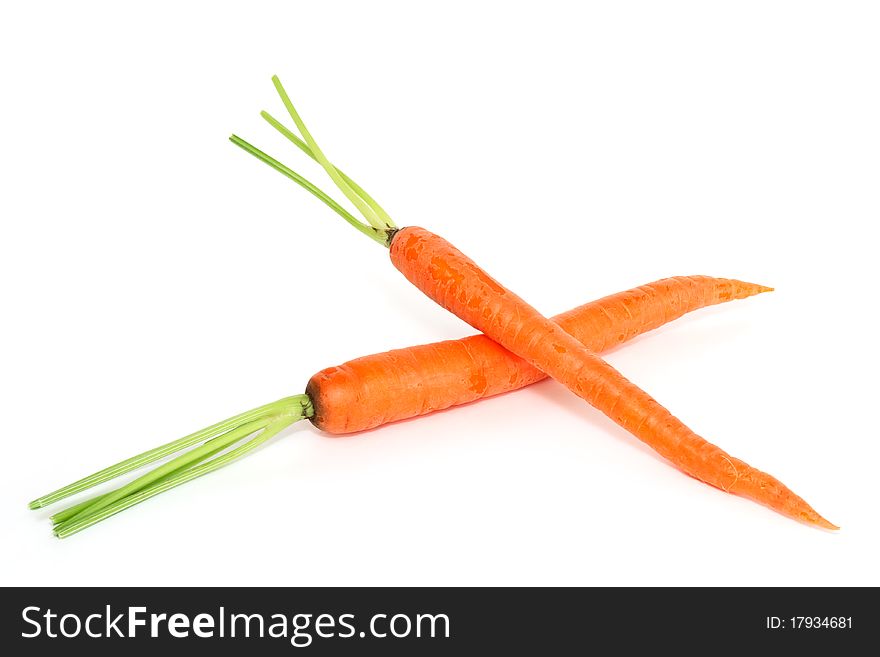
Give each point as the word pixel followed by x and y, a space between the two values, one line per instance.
pixel 156 279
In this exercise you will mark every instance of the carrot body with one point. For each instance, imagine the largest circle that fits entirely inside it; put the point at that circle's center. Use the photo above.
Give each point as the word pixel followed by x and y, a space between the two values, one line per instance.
pixel 373 390
pixel 458 284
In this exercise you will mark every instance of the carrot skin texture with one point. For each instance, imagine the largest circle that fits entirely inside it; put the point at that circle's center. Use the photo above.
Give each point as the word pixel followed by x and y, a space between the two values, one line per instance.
pixel 458 284
pixel 373 390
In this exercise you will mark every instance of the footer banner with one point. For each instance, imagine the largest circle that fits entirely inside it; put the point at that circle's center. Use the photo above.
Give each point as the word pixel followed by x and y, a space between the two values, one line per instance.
pixel 428 621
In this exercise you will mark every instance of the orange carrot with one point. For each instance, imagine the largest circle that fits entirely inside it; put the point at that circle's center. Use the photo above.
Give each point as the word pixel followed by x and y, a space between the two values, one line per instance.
pixel 395 385
pixel 367 392
pixel 458 284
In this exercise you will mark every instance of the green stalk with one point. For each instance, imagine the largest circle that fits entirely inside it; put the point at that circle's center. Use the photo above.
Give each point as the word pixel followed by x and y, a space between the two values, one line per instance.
pixel 380 236
pixel 78 524
pixel 368 212
pixel 70 512
pixel 259 424
pixel 299 143
pixel 189 458
pixel 149 456
pixel 62 516
pixel 377 225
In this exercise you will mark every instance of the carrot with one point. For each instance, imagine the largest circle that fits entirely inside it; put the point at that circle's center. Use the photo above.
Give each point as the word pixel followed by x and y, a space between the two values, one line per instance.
pixel 396 385
pixel 405 383
pixel 458 284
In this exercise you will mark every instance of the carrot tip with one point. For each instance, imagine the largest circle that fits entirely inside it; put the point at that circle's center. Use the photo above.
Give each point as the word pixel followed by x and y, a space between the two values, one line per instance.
pixel 764 288
pixel 814 518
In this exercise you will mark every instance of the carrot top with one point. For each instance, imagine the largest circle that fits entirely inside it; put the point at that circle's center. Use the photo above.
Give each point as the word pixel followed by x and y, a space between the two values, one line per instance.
pixel 217 446
pixel 376 223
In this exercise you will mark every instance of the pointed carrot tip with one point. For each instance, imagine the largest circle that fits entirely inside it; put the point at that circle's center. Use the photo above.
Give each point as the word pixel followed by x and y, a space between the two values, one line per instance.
pixel 751 289
pixel 828 525
pixel 814 518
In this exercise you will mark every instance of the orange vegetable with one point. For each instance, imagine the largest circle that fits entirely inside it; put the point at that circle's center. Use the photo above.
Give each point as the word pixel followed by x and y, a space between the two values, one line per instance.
pixel 458 284
pixel 396 385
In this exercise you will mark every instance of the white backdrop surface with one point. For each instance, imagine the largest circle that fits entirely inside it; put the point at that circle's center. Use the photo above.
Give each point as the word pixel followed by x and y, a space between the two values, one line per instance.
pixel 157 279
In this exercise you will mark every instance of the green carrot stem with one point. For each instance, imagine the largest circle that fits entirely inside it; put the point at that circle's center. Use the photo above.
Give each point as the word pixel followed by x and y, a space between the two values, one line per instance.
pixel 378 235
pixel 181 462
pixel 78 524
pixel 369 214
pixel 155 454
pixel 62 516
pixel 219 447
pixel 299 143
pixel 75 510
pixel 377 225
